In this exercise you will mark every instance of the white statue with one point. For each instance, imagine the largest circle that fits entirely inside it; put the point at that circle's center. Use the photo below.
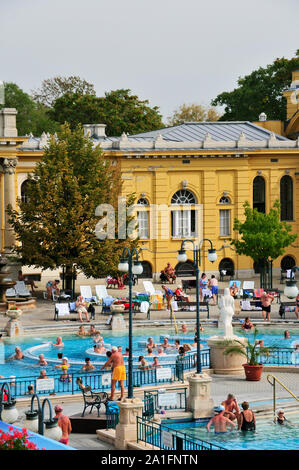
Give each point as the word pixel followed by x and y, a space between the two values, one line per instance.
pixel 227 311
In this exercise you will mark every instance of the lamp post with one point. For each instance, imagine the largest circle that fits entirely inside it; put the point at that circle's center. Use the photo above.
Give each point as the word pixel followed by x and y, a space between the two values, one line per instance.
pixel 36 422
pixel 8 411
pixel 182 257
pixel 133 267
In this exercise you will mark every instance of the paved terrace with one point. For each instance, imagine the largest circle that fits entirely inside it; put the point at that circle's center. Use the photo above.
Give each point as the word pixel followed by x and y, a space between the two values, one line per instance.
pixel 43 314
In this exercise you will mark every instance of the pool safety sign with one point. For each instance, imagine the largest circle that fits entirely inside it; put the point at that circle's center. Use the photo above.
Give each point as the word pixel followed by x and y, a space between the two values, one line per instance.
pixel 164 373
pixel 167 399
pixel 44 384
pixel 167 439
pixel 106 380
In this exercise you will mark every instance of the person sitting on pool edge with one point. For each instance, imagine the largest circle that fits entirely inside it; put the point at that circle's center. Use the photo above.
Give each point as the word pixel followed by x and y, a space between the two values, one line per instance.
pixel 219 421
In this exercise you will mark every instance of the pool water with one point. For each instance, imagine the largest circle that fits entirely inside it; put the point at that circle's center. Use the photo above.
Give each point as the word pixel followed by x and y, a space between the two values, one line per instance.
pixel 75 347
pixel 268 436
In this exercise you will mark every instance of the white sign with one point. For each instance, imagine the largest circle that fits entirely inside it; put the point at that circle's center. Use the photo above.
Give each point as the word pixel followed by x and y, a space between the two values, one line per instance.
pixel 44 384
pixel 164 373
pixel 167 399
pixel 106 379
pixel 167 439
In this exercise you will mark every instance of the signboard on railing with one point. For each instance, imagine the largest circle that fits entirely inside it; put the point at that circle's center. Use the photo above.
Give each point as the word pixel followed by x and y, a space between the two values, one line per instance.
pixel 42 385
pixel 167 399
pixel 167 439
pixel 164 373
pixel 106 380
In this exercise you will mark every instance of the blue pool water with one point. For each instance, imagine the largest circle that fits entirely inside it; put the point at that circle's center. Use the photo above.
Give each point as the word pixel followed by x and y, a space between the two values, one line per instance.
pixel 268 436
pixel 75 347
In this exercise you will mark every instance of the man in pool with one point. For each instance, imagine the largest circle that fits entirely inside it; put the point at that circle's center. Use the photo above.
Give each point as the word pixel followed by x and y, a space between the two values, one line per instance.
pixel 42 361
pixel 88 365
pixel 232 410
pixel 59 343
pixel 220 422
pixel 119 372
pixel 19 355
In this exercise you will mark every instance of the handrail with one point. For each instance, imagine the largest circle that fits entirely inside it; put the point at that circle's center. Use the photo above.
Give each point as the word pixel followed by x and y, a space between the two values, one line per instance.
pixel 274 390
pixel 173 316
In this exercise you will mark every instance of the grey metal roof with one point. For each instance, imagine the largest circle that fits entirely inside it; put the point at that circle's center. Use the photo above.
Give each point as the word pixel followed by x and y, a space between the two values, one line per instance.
pixel 218 130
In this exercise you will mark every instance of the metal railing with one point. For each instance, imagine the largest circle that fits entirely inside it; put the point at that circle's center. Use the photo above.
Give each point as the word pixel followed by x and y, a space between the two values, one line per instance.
pixel 273 383
pixel 112 420
pixel 281 357
pixel 166 438
pixel 177 394
pixel 96 382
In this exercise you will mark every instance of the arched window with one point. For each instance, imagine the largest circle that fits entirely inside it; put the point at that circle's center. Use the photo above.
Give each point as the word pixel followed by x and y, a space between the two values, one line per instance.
pixel 224 200
pixel 186 269
pixel 287 262
pixel 24 196
pixel 226 267
pixel 147 270
pixel 143 218
pixel 286 198
pixel 259 194
pixel 183 221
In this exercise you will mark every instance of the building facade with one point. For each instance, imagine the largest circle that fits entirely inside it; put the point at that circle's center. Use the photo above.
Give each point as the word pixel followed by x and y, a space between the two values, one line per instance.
pixel 191 181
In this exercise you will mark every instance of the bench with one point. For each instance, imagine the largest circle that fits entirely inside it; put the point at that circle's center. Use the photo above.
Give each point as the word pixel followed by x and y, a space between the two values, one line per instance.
pixel 286 307
pixel 94 400
pixel 184 306
pixel 188 284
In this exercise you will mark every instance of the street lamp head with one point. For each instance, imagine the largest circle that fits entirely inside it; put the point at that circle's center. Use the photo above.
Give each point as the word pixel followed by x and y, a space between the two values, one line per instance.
pixel 123 265
pixel 212 255
pixel 137 268
pixel 182 256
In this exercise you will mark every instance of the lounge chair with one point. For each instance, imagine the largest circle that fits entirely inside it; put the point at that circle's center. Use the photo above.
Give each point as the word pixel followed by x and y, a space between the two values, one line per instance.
pixel 101 292
pixel 21 289
pixel 87 294
pixel 248 289
pixel 11 293
pixel 148 287
pixel 64 310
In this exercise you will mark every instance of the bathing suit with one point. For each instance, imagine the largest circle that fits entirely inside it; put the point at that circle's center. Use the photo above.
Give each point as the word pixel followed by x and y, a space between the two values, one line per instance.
pixel 215 290
pixel 247 425
pixel 247 327
pixel 266 308
pixel 119 373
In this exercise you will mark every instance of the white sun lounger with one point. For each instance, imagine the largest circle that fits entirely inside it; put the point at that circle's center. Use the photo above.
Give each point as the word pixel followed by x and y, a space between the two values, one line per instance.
pixel 21 289
pixel 248 285
pixel 87 293
pixel 148 287
pixel 11 293
pixel 101 292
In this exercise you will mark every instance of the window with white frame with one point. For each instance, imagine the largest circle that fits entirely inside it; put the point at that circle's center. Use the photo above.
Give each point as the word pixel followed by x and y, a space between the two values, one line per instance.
pixel 183 221
pixel 224 222
pixel 143 218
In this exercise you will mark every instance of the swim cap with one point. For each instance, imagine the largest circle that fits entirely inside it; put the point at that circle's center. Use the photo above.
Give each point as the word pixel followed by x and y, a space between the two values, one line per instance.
pixel 219 408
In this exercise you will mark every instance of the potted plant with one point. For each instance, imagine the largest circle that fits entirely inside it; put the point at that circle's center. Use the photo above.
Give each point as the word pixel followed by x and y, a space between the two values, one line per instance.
pixel 253 368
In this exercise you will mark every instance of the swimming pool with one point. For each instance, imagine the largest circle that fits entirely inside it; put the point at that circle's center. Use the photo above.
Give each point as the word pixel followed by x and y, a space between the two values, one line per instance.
pixel 75 347
pixel 268 436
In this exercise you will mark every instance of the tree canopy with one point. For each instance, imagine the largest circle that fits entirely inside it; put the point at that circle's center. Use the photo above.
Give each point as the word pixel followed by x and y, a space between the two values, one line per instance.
pixel 56 225
pixel 31 117
pixel 263 237
pixel 260 91
pixel 120 110
pixel 193 113
pixel 55 87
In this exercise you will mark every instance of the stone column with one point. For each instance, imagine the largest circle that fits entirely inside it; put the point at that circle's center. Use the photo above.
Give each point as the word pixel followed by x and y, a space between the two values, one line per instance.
pixel 9 169
pixel 126 430
pixel 230 364
pixel 200 401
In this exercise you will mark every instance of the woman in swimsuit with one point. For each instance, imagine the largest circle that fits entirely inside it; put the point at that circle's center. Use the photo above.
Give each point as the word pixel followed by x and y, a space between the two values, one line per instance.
pixel 246 418
pixel 247 325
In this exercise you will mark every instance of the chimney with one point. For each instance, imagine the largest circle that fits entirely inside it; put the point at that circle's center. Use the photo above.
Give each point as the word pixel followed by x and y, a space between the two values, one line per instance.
pixel 8 122
pixel 95 130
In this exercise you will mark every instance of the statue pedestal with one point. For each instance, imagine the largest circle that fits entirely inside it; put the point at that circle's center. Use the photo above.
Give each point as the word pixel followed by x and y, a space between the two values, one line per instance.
pixel 199 400
pixel 126 430
pixel 221 363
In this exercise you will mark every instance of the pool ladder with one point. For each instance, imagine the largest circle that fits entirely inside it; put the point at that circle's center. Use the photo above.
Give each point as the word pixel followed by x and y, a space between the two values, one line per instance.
pixel 272 379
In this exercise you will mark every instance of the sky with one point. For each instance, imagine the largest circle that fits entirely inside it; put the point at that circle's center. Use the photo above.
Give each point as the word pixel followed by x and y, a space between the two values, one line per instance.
pixel 167 51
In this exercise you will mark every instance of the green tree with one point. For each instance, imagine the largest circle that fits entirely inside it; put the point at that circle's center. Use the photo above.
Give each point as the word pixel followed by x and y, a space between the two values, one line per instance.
pixel 193 113
pixel 260 91
pixel 119 110
pixel 56 226
pixel 55 87
pixel 262 237
pixel 31 117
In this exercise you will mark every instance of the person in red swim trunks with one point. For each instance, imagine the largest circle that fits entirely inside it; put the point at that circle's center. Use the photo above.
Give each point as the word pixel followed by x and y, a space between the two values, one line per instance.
pixel 64 423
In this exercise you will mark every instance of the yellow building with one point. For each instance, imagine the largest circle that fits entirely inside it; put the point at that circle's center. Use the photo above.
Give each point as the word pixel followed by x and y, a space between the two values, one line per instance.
pixel 191 181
